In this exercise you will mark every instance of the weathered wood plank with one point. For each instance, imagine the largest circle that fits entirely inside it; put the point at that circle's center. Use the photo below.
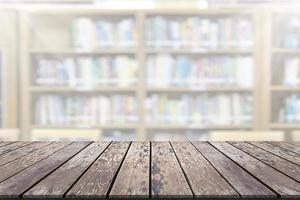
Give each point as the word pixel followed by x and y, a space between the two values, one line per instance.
pixel 133 177
pixel 283 153
pixel 274 161
pixel 17 185
pixel 16 166
pixel 296 143
pixel 12 146
pixel 288 146
pixel 95 183
pixel 53 186
pixel 280 183
pixel 204 180
pixel 167 178
pixel 3 143
pixel 245 184
pixel 18 153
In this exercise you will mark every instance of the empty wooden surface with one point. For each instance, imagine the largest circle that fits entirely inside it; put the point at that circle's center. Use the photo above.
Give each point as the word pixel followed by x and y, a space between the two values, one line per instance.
pixel 96 182
pixel 149 170
pixel 205 181
pixel 167 179
pixel 133 178
pixel 245 184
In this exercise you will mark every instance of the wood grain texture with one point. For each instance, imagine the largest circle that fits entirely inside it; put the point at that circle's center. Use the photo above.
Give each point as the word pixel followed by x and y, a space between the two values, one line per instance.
pixel 3 143
pixel 18 153
pixel 204 180
pixel 245 184
pixel 17 185
pixel 54 186
pixel 95 183
pixel 280 183
pixel 133 177
pixel 12 146
pixel 288 146
pixel 20 164
pixel 274 161
pixel 281 152
pixel 167 178
pixel 45 170
pixel 296 143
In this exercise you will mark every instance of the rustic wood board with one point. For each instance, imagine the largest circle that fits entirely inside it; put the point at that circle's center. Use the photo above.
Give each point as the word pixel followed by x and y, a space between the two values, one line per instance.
pixel 133 178
pixel 288 168
pixel 5 143
pixel 288 146
pixel 294 143
pixel 281 184
pixel 96 182
pixel 142 170
pixel 17 185
pixel 12 146
pixel 18 165
pixel 167 178
pixel 18 153
pixel 245 184
pixel 204 180
pixel 281 152
pixel 54 186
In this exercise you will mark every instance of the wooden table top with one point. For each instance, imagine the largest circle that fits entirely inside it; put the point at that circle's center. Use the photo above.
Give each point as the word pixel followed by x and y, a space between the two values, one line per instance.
pixel 149 169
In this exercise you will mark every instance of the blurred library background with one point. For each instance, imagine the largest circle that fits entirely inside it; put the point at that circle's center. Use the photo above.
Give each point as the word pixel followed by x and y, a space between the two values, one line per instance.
pixel 150 70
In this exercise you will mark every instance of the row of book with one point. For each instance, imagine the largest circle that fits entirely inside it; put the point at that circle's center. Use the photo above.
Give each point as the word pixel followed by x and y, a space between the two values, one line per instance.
pixel 290 33
pixel 199 32
pixel 119 135
pixel 88 34
pixel 166 70
pixel 130 135
pixel 289 111
pixel 86 71
pixel 291 71
pixel 125 135
pixel 179 136
pixel 60 110
pixel 84 134
pixel 199 110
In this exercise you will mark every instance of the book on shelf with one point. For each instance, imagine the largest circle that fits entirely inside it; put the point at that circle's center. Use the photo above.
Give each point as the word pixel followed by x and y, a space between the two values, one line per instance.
pixel 119 135
pixel 89 34
pixel 289 111
pixel 291 71
pixel 84 111
pixel 200 110
pixel 176 136
pixel 86 72
pixel 199 32
pixel 165 70
pixel 291 33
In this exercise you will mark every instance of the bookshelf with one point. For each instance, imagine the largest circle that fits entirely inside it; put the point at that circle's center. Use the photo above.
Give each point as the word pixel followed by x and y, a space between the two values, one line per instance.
pixel 174 50
pixel 62 75
pixel 8 73
pixel 56 38
pixel 284 69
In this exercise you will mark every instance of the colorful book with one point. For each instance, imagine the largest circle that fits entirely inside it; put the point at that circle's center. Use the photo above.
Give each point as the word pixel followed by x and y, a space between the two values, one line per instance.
pixel 200 110
pixel 87 72
pixel 165 70
pixel 199 32
pixel 85 111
